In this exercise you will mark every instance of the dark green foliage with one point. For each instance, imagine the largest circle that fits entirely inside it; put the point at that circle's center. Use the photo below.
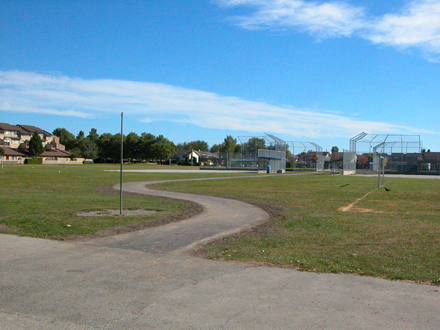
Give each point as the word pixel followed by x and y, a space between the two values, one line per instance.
pixel 35 145
pixel 254 144
pixel 66 138
pixel 163 148
pixel 33 161
pixel 193 145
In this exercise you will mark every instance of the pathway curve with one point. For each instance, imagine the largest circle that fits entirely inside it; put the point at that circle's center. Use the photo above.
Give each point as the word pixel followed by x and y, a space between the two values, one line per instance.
pixel 220 217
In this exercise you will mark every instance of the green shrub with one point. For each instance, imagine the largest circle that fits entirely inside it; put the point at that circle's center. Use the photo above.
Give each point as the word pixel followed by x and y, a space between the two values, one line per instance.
pixel 34 161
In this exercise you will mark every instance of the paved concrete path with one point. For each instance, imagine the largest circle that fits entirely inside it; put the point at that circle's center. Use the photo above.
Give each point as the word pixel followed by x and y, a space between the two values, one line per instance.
pixel 220 217
pixel 99 285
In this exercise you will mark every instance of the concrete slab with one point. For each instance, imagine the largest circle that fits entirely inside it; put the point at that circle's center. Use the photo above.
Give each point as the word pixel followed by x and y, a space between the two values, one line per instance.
pixel 56 285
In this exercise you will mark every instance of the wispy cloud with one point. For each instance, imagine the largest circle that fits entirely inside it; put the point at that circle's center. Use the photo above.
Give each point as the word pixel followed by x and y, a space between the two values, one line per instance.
pixel 325 19
pixel 416 25
pixel 148 102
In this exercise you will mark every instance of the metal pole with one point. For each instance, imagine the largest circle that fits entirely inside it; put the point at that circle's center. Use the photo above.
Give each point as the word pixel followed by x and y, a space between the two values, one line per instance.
pixel 383 171
pixel 122 154
pixel 378 176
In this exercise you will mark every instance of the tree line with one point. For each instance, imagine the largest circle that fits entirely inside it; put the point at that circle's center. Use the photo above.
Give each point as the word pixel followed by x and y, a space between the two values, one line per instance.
pixel 146 146
pixel 107 146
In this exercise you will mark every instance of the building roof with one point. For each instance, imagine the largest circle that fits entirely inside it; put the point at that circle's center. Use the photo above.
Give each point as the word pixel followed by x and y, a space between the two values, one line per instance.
pixel 32 129
pixel 11 152
pixel 210 154
pixel 8 127
pixel 55 153
pixel 337 156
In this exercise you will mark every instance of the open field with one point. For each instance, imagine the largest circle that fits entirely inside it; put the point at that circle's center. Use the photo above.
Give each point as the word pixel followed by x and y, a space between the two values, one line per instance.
pixel 42 201
pixel 392 234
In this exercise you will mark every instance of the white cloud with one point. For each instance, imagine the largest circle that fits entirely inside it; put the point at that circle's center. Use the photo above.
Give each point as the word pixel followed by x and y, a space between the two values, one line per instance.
pixel 63 96
pixel 326 19
pixel 417 25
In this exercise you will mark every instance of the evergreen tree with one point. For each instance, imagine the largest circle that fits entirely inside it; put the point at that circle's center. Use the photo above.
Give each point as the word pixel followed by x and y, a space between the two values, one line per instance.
pixel 35 145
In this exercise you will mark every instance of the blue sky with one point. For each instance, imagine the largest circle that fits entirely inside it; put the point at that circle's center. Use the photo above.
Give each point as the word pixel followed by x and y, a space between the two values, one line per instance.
pixel 319 71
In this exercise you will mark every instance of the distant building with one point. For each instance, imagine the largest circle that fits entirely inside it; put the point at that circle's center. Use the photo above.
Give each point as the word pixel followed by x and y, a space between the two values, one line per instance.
pixel 14 139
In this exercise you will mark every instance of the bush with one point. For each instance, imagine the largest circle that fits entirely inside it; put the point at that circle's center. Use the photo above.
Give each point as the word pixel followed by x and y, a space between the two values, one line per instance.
pixel 34 161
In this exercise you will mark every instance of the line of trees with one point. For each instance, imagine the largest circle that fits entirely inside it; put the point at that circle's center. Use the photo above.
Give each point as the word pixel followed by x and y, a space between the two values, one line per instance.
pixel 146 146
pixel 107 146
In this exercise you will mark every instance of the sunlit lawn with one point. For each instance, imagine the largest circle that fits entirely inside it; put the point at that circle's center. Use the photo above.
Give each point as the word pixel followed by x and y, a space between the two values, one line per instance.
pixel 42 201
pixel 392 234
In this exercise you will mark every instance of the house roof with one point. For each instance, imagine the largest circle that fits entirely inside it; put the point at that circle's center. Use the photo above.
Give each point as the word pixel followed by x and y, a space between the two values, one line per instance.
pixel 12 152
pixel 182 152
pixel 55 153
pixel 32 129
pixel 337 156
pixel 8 127
pixel 209 154
pixel 185 152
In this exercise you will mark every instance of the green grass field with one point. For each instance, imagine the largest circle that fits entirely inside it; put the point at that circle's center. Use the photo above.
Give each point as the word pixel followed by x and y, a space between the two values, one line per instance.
pixel 42 201
pixel 390 234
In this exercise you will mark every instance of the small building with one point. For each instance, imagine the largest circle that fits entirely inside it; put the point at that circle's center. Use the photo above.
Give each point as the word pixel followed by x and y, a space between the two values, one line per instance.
pixel 185 157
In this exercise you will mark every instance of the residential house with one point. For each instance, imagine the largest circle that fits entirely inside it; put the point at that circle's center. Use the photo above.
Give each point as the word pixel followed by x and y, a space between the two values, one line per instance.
pixel 14 139
pixel 12 156
pixel 185 157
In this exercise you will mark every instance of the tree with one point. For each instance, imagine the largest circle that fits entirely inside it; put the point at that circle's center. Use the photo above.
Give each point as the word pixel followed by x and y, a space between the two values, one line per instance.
pixel 193 145
pixel 66 138
pixel 109 146
pixel 255 143
pixel 230 145
pixel 163 148
pixel 363 160
pixel 89 148
pixel 215 148
pixel 335 149
pixel 35 145
pixel 132 146
pixel 314 159
pixel 146 142
pixel 93 135
pixel 80 136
